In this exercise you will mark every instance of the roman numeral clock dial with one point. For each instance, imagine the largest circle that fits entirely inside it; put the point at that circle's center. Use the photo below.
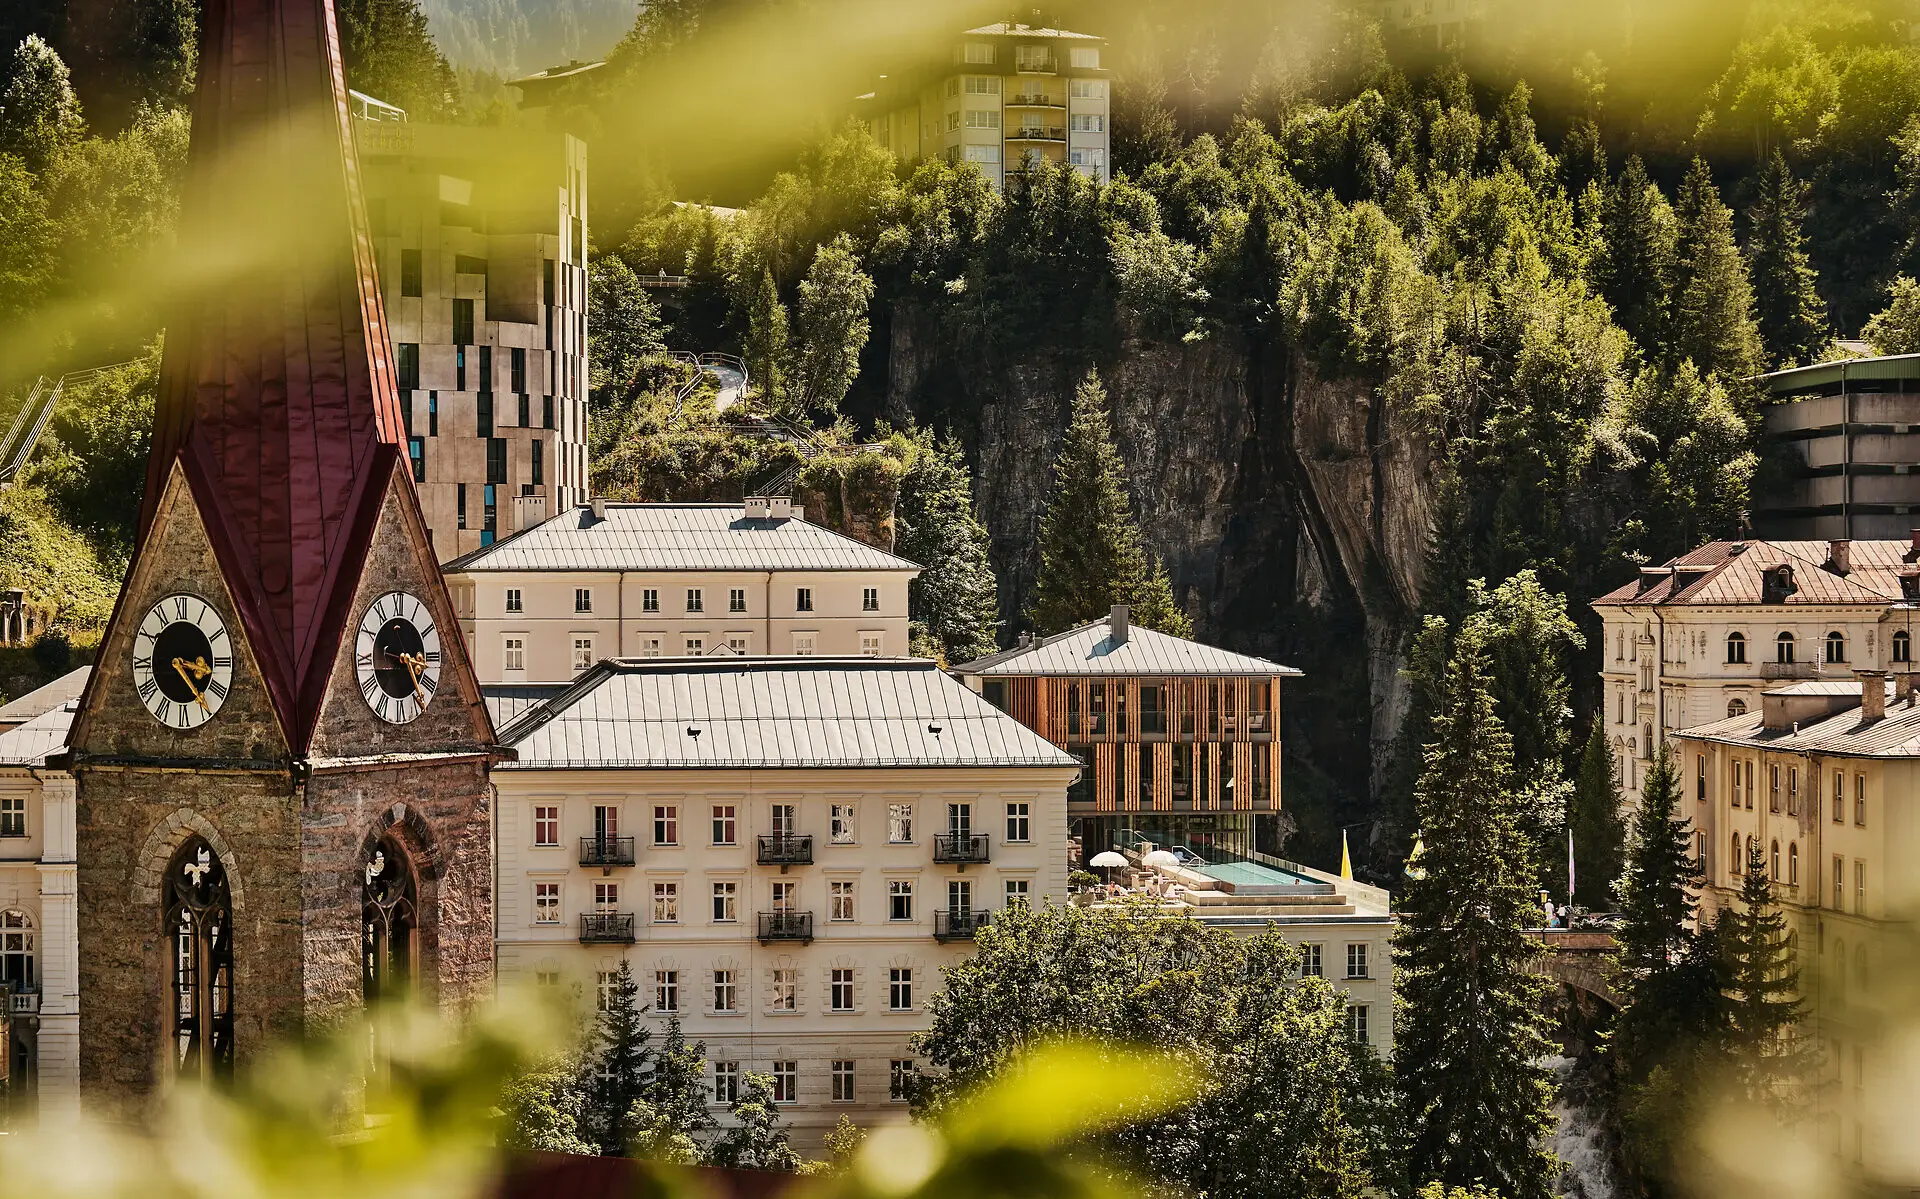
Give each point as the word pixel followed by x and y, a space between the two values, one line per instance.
pixel 182 662
pixel 396 657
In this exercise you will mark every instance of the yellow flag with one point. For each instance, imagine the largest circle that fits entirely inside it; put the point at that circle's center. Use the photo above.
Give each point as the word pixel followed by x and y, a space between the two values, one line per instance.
pixel 1346 859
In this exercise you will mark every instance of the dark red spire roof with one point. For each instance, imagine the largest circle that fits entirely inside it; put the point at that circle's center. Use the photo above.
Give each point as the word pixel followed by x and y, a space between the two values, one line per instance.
pixel 277 393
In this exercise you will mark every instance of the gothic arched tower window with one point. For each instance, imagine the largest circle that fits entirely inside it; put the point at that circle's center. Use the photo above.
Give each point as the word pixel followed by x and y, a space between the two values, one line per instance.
pixel 389 919
pixel 198 922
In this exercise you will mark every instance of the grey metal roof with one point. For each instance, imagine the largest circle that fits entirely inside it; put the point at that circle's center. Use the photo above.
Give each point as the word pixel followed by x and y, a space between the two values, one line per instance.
pixel 770 712
pixel 506 702
pixel 1845 734
pixel 31 743
pixel 675 537
pixel 1090 650
pixel 45 699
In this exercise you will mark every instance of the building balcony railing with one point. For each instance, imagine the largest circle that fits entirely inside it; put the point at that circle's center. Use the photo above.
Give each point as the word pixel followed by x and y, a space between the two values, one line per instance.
pixel 962 848
pixel 1036 64
pixel 606 851
pixel 786 926
pixel 1792 670
pixel 1037 133
pixel 785 850
pixel 598 928
pixel 22 1001
pixel 958 924
pixel 1035 101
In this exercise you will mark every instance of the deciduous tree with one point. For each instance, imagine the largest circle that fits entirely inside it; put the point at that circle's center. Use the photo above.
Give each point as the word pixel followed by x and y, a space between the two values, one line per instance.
pixel 830 328
pixel 756 1139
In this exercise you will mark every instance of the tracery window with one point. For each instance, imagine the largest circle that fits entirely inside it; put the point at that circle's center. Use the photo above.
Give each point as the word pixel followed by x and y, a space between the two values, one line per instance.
pixel 389 917
pixel 198 919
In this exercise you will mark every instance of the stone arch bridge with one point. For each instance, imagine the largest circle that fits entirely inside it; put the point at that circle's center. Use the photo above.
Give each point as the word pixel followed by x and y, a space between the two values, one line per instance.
pixel 1577 959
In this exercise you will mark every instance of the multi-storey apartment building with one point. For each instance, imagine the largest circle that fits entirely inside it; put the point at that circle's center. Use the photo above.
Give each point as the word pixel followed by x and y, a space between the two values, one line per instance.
pixel 1180 740
pixel 39 948
pixel 785 851
pixel 610 580
pixel 481 240
pixel 1002 97
pixel 1846 431
pixel 1822 779
pixel 1703 636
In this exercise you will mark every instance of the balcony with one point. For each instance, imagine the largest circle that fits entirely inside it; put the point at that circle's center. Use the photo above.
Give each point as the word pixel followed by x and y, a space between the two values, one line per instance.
pixel 1031 100
pixel 785 850
pixel 961 848
pixel 1036 64
pixel 603 928
pixel 22 1001
pixel 958 924
pixel 606 851
pixel 1794 670
pixel 786 926
pixel 1037 133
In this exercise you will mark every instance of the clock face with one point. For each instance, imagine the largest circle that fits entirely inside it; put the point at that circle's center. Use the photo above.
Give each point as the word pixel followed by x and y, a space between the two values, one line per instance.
pixel 397 657
pixel 182 661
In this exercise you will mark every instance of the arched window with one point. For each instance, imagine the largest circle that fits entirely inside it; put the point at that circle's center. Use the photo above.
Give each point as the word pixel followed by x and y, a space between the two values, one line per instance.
pixel 1736 707
pixel 1735 862
pixel 1836 646
pixel 16 952
pixel 1783 648
pixel 1736 648
pixel 1903 646
pixel 389 918
pixel 199 920
pixel 1773 862
pixel 1793 864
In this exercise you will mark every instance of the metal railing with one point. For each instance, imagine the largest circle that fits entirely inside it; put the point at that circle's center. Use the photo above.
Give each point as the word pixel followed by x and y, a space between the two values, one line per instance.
pixel 960 847
pixel 606 851
pixel 603 927
pixel 785 850
pixel 1036 100
pixel 958 924
pixel 1037 133
pixel 786 926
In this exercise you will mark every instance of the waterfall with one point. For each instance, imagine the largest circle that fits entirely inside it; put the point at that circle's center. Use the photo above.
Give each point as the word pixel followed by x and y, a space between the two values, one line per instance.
pixel 1579 1137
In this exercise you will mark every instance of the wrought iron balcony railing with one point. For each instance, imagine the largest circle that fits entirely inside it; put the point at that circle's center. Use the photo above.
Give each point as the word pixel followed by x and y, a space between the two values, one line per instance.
pixel 606 851
pixel 958 924
pixel 786 926
pixel 960 847
pixel 600 927
pixel 786 849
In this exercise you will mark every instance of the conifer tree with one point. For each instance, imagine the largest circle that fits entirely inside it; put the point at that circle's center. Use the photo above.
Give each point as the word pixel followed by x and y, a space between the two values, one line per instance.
pixel 1895 329
pixel 1474 1100
pixel 1144 130
pixel 389 53
pixel 766 346
pixel 755 1140
pixel 1091 556
pixel 1595 821
pixel 39 113
pixel 677 1088
pixel 1771 1055
pixel 1793 317
pixel 1713 323
pixel 955 597
pixel 621 1063
pixel 1635 271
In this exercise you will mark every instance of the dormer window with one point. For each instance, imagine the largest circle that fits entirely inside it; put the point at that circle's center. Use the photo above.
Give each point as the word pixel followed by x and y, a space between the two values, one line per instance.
pixel 1783 648
pixel 1836 646
pixel 1776 584
pixel 1736 649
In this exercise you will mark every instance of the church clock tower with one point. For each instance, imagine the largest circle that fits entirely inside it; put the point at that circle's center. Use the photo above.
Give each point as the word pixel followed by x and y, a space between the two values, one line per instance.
pixel 282 756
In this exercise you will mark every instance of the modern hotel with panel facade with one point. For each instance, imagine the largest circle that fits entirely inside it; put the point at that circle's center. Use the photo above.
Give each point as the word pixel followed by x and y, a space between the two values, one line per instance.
pixel 1002 97
pixel 480 237
pixel 786 852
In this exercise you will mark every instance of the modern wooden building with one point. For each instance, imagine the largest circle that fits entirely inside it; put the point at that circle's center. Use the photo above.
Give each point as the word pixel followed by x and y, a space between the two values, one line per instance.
pixel 1179 741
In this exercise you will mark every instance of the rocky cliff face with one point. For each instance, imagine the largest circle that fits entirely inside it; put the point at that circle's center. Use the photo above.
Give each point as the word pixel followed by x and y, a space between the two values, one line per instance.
pixel 1292 511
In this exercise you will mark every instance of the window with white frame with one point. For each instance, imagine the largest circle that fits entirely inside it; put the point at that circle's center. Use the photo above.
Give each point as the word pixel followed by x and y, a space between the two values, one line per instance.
pixel 1089 122
pixel 1357 959
pixel 785 893
pixel 16 949
pixel 1017 892
pixel 899 1078
pixel 513 599
pixel 1087 58
pixel 953 121
pixel 985 156
pixel 666 824
pixel 650 647
pixel 649 599
pixel 1019 822
pixel 786 1082
pixel 900 823
pixel 1087 89
pixel 843 1080
pixel 725 998
pixel 900 989
pixel 546 978
pixel 725 824
pixel 737 599
pixel 583 599
pixel 786 991
pixel 726 902
pixel 840 989
pixel 666 903
pixel 1312 961
pixel 13 815
pixel 726 1082
pixel 841 824
pixel 696 600
pixel 696 646
pixel 900 899
pixel 606 990
pixel 803 645
pixel 582 654
pixel 803 599
pixel 606 897
pixel 840 900
pixel 983 85
pixel 513 653
pixel 870 645
pixel 983 118
pixel 977 52
pixel 666 990
pixel 546 903
pixel 1357 1021
pixel 546 825
pixel 738 645
pixel 1089 156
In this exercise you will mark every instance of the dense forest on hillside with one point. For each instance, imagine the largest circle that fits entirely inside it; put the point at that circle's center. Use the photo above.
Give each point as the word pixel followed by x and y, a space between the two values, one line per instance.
pixel 1372 321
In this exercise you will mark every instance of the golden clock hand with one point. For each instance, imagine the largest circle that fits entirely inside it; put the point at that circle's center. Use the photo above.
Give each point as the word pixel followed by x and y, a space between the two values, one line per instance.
pixel 180 666
pixel 415 665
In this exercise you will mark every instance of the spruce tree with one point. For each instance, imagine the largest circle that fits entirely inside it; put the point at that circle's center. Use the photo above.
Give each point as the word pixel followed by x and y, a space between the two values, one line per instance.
pixel 621 1063
pixel 1713 323
pixel 1772 1056
pixel 389 53
pixel 1793 317
pixel 1635 269
pixel 1091 555
pixel 677 1087
pixel 1474 1098
pixel 766 346
pixel 755 1140
pixel 1598 832
pixel 955 597
pixel 39 112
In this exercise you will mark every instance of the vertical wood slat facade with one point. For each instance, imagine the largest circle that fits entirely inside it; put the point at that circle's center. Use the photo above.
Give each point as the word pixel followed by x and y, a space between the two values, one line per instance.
pixel 1243 775
pixel 1103 778
pixel 1162 777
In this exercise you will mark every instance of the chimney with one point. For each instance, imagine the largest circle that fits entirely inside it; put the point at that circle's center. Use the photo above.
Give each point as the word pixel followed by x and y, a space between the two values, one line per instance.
pixel 1840 556
pixel 1873 693
pixel 1903 685
pixel 599 505
pixel 1117 624
pixel 780 507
